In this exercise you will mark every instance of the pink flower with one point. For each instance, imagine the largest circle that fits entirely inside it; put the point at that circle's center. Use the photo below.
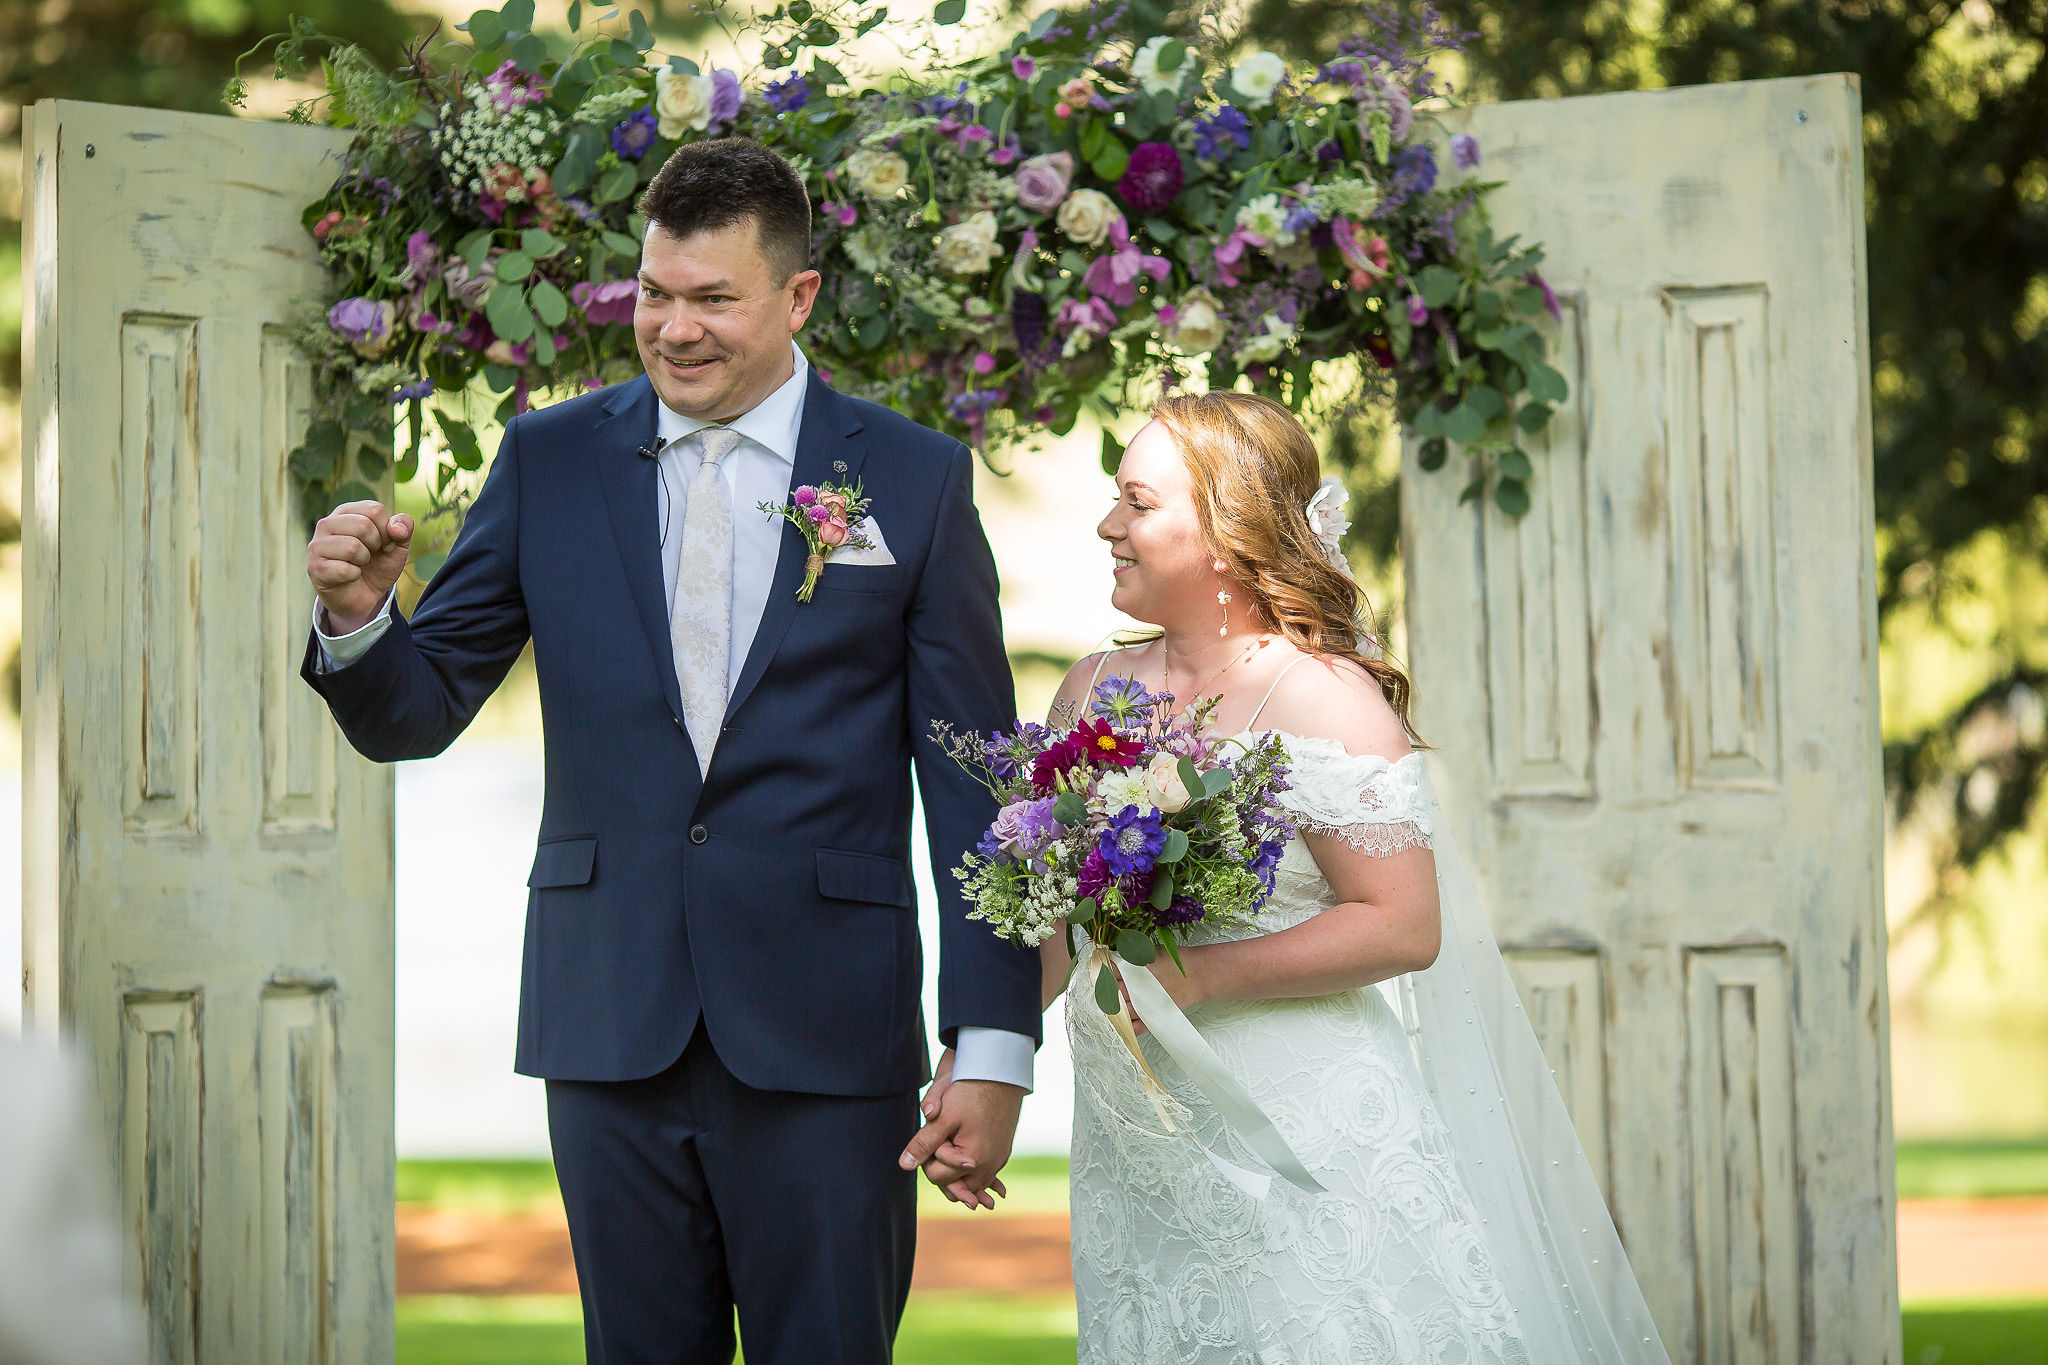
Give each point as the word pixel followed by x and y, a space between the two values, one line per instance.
pixel 834 503
pixel 805 496
pixel 1004 155
pixel 1063 109
pixel 1042 181
pixel 834 531
pixel 974 132
pixel 984 363
pixel 1115 276
pixel 1418 311
pixel 326 225
pixel 609 302
pixel 1232 251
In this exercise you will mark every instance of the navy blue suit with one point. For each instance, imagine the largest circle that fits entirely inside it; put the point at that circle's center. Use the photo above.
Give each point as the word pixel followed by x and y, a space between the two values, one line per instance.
pixel 723 973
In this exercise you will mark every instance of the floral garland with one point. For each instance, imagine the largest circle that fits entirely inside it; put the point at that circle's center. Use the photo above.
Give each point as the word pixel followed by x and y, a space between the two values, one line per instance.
pixel 1078 220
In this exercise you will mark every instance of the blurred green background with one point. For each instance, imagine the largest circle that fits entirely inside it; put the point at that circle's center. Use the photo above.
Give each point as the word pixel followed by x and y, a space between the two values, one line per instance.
pixel 1956 135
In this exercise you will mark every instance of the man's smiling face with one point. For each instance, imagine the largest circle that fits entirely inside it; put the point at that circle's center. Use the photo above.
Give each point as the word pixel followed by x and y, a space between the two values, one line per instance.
pixel 712 323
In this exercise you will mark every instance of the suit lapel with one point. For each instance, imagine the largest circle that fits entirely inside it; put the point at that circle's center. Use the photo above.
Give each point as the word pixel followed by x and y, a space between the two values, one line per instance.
pixel 828 437
pixel 631 483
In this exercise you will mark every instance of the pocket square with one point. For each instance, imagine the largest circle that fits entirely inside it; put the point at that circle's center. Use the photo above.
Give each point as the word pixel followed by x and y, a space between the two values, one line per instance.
pixel 876 553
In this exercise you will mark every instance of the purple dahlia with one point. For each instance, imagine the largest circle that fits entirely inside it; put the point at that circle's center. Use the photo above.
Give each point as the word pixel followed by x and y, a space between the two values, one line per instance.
pixel 1152 179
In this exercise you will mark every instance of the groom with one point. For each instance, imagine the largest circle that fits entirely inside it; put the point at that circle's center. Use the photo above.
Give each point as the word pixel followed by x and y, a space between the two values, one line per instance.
pixel 722 974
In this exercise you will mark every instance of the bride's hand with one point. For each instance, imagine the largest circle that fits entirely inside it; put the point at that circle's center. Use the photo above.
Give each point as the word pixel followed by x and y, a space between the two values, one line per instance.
pixel 1179 988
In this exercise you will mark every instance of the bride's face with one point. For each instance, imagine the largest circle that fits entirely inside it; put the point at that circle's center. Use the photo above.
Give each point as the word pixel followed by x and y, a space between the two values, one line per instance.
pixel 1163 571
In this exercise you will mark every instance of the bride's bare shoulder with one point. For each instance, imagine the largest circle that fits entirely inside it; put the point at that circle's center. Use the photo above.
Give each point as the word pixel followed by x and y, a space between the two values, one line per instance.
pixel 1325 697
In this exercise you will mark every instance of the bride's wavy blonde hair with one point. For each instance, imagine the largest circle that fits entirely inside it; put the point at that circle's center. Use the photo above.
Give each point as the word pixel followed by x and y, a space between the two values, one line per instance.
pixel 1254 468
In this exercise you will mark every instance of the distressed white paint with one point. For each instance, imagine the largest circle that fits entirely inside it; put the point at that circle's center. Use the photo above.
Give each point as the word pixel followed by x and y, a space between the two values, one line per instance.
pixel 1656 700
pixel 207 873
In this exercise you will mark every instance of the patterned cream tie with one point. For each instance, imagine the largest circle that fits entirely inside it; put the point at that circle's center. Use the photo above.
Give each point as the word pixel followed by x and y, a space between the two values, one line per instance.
pixel 700 623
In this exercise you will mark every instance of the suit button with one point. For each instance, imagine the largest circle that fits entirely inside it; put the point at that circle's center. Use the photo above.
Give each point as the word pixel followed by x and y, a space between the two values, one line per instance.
pixel 679 724
pixel 698 834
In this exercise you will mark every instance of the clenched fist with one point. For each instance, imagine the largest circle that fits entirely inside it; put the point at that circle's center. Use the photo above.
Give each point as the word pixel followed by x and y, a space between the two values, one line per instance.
pixel 357 552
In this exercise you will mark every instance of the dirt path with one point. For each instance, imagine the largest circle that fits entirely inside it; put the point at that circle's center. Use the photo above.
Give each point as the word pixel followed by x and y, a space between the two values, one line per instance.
pixel 1962 1248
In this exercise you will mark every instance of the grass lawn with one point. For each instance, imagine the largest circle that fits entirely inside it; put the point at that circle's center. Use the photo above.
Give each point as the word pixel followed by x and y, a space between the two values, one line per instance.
pixel 1976 1170
pixel 939 1329
pixel 1977 1332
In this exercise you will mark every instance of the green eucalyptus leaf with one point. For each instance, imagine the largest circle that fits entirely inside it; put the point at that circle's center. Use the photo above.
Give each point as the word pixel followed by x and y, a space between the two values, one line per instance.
pixel 575 15
pixel 875 331
pixel 543 347
pixel 486 30
pixel 1084 910
pixel 1113 161
pixel 949 11
pixel 1112 452
pixel 683 66
pixel 1485 400
pixel 309 464
pixel 579 159
pixel 1107 996
pixel 1136 947
pixel 1473 489
pixel 1515 464
pixel 539 243
pixel 1171 54
pixel 1162 889
pixel 1190 777
pixel 529 52
pixel 514 266
pixel 1464 424
pixel 1533 417
pixel 643 37
pixel 1175 848
pixel 370 460
pixel 1437 284
pixel 499 378
pixel 508 314
pixel 550 303
pixel 1547 385
pixel 1070 810
pixel 827 74
pixel 475 248
pixel 516 14
pixel 1511 496
pixel 622 245
pixel 618 182
pixel 1429 420
pixel 461 441
pixel 325 439
pixel 1433 453
pixel 1215 782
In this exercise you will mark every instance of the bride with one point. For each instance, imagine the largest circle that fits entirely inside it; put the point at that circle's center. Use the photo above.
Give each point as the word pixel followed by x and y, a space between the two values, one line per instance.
pixel 1368 1013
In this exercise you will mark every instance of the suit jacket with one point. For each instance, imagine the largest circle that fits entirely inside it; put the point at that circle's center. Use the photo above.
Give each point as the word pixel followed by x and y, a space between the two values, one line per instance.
pixel 771 898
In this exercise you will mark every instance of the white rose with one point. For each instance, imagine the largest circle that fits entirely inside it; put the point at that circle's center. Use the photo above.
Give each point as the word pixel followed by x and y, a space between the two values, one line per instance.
pixel 1198 325
pixel 681 102
pixel 1163 787
pixel 1145 66
pixel 878 175
pixel 1269 345
pixel 1257 77
pixel 1086 216
pixel 969 248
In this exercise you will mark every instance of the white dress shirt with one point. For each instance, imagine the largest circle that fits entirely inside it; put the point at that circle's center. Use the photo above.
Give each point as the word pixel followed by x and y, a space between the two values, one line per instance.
pixel 758 470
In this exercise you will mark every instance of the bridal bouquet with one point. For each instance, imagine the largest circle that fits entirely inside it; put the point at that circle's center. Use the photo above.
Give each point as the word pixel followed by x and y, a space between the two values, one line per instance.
pixel 1129 828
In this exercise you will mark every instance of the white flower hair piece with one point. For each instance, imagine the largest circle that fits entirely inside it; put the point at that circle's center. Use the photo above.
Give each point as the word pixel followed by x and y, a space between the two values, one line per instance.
pixel 1327 518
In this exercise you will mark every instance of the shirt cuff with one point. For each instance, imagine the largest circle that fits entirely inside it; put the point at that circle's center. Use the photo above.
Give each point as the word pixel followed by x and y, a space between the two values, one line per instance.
pixel 339 651
pixel 993 1054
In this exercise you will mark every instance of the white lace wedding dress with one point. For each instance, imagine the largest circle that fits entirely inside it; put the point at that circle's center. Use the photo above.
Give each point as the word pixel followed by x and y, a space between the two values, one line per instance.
pixel 1396 1261
pixel 1174 1263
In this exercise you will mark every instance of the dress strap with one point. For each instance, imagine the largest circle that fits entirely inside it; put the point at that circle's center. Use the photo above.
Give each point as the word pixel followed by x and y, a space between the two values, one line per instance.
pixel 1099 665
pixel 1271 690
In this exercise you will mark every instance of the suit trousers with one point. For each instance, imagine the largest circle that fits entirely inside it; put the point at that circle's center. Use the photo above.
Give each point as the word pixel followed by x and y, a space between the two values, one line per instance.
pixel 690 1194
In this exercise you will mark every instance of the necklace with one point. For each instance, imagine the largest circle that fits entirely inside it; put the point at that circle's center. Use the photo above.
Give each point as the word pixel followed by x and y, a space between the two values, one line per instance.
pixel 1166 677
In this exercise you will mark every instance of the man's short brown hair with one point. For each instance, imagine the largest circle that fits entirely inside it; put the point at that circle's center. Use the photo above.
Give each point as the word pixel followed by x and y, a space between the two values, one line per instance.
pixel 706 186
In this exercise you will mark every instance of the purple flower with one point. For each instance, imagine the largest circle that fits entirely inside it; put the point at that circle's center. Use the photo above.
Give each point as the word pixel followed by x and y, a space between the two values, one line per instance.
pixel 805 496
pixel 609 302
pixel 1042 181
pixel 1010 755
pixel 1152 179
pixel 405 393
pixel 1414 173
pixel 1132 841
pixel 1124 696
pixel 1215 134
pixel 725 95
pixel 1464 151
pixel 1115 275
pixel 1342 73
pixel 361 322
pixel 1418 311
pixel 1023 829
pixel 1182 910
pixel 1302 217
pixel 635 134
pixel 1549 295
pixel 513 89
pixel 1092 876
pixel 1028 319
pixel 788 96
pixel 1327 151
pixel 1023 68
pixel 1005 154
pixel 1266 860
pixel 973 405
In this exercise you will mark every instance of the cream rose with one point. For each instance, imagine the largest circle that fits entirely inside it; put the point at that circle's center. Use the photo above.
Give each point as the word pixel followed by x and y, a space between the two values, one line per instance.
pixel 1257 77
pixel 970 247
pixel 1086 216
pixel 877 174
pixel 1198 324
pixel 681 102
pixel 1163 787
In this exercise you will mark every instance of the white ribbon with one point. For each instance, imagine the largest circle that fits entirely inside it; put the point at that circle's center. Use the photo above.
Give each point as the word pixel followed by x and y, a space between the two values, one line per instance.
pixel 1185 1044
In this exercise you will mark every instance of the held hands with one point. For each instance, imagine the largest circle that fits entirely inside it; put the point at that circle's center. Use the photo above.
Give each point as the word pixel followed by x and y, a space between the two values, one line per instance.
pixel 969 1126
pixel 356 555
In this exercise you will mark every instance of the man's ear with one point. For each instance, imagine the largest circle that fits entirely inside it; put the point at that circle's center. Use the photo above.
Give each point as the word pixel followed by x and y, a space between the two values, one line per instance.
pixel 804 286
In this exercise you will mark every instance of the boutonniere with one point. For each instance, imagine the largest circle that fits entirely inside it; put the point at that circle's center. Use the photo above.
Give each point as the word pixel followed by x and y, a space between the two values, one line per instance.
pixel 831 517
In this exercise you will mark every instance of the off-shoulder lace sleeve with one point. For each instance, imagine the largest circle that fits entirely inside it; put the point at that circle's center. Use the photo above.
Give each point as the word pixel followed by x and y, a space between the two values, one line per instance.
pixel 1377 805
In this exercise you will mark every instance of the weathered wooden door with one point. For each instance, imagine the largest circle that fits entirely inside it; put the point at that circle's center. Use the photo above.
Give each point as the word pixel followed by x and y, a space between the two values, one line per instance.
pixel 207 873
pixel 1656 701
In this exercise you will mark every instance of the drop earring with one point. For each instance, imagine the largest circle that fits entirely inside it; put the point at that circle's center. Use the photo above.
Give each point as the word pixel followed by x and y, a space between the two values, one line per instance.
pixel 1224 598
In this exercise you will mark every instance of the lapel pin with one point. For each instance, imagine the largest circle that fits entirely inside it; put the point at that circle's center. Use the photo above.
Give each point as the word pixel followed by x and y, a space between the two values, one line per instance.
pixel 839 466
